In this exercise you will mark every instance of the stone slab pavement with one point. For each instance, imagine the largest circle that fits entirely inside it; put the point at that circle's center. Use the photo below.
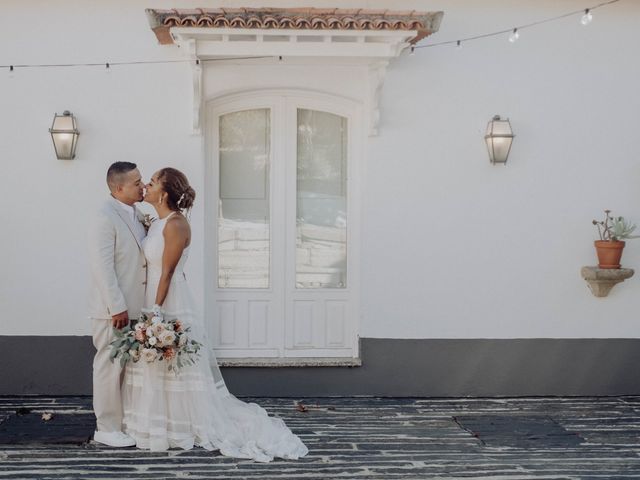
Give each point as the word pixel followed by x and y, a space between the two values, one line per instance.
pixel 352 438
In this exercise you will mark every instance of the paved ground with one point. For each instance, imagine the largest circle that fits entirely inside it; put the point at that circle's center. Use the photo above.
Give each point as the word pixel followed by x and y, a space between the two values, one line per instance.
pixel 354 438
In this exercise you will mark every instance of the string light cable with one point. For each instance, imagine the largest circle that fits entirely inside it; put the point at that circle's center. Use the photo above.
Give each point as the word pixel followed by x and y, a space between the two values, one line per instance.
pixel 108 66
pixel 586 18
pixel 514 32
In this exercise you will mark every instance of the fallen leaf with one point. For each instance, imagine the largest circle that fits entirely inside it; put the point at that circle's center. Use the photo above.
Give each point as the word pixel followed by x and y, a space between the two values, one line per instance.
pixel 47 416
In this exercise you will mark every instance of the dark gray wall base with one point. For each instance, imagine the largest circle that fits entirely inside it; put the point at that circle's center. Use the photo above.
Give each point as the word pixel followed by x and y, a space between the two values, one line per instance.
pixel 57 365
pixel 390 367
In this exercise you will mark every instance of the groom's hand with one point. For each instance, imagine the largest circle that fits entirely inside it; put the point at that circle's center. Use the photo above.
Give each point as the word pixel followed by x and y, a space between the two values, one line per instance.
pixel 120 320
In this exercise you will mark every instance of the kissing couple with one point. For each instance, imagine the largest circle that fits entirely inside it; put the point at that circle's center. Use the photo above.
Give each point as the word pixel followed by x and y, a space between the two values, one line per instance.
pixel 135 270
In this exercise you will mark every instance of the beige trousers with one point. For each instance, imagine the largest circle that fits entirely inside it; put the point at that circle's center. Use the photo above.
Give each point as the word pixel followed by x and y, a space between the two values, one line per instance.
pixel 107 379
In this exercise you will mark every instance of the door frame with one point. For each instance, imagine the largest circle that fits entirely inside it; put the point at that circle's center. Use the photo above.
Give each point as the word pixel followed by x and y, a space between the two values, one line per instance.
pixel 281 101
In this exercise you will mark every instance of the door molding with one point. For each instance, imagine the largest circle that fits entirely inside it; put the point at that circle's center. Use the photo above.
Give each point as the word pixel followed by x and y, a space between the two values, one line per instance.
pixel 281 102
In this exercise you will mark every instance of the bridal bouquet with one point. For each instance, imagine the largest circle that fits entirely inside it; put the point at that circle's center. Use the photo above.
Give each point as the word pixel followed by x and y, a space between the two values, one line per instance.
pixel 149 340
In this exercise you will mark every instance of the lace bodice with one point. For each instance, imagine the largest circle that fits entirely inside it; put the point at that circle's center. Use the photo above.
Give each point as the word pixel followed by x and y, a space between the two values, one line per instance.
pixel 153 247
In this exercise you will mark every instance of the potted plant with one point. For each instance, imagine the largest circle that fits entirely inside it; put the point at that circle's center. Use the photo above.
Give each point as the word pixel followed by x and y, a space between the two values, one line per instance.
pixel 613 231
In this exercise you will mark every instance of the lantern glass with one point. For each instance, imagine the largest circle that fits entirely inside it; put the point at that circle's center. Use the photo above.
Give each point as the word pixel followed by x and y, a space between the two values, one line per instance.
pixel 499 138
pixel 64 134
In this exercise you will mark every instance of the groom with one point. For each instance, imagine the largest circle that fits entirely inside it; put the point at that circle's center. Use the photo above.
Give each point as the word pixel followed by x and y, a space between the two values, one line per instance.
pixel 118 279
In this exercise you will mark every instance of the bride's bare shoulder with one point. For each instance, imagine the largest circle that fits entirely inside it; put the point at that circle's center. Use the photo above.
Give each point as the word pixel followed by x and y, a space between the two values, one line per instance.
pixel 177 225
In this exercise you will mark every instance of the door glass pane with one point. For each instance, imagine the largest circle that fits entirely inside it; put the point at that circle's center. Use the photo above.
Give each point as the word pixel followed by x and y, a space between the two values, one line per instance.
pixel 321 207
pixel 243 206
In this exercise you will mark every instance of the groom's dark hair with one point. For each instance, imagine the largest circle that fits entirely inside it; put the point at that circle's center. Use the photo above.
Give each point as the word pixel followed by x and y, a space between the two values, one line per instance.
pixel 117 171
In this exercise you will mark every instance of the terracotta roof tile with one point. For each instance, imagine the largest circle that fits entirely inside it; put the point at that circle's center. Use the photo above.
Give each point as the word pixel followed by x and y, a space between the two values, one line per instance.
pixel 306 18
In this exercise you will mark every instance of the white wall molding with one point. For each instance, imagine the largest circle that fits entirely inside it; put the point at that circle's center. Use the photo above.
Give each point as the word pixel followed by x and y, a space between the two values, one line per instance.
pixel 375 80
pixel 196 75
pixel 241 42
pixel 371 49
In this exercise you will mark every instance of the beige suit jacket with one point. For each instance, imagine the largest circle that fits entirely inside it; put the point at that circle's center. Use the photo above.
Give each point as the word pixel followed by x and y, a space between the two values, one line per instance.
pixel 117 264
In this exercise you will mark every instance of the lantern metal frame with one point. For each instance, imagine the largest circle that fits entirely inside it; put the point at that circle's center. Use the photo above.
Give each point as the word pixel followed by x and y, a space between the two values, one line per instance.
pixel 56 132
pixel 492 135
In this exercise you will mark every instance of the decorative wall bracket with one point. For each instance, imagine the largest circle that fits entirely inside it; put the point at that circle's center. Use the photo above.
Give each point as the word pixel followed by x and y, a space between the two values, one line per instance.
pixel 602 280
pixel 196 73
pixel 376 74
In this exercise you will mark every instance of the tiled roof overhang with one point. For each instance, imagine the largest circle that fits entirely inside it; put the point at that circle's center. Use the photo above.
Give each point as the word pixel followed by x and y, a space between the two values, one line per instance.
pixel 422 23
pixel 366 39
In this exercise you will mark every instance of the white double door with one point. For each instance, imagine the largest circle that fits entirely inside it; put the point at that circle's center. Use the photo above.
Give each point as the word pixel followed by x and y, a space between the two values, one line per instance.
pixel 283 227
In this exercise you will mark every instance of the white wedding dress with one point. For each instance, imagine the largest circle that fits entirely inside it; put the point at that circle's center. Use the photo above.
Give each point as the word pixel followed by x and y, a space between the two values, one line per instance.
pixel 194 408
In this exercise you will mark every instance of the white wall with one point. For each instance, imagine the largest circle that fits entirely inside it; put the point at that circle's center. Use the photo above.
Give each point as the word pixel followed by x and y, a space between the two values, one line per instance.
pixel 476 250
pixel 138 114
pixel 453 246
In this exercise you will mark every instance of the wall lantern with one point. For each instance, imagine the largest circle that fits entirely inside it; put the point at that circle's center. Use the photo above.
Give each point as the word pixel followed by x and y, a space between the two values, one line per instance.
pixel 64 133
pixel 499 138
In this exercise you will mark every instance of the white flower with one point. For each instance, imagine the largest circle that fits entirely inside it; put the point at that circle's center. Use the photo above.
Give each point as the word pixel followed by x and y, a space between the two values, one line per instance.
pixel 155 330
pixel 167 337
pixel 149 354
pixel 139 327
pixel 156 320
pixel 146 221
pixel 152 341
pixel 183 341
pixel 135 354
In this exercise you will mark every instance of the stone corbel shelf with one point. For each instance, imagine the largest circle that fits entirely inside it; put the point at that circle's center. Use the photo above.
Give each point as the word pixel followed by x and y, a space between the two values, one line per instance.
pixel 602 280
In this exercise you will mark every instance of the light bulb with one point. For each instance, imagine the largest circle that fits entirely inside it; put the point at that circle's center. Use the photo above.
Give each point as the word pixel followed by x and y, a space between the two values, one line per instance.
pixel 413 50
pixel 11 71
pixel 459 45
pixel 107 68
pixel 514 36
pixel 586 18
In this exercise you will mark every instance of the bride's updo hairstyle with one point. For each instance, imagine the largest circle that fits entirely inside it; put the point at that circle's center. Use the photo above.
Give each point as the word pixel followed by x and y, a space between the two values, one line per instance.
pixel 180 195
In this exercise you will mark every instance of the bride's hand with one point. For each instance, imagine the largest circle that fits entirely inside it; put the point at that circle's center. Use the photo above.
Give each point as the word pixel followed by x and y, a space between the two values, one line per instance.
pixel 156 314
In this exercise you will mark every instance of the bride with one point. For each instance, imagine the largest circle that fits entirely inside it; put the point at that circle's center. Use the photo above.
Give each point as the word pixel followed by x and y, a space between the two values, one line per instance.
pixel 194 408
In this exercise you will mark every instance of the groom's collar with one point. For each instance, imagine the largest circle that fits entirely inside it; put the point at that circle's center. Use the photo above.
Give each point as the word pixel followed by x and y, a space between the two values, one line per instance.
pixel 130 209
pixel 128 214
pixel 122 204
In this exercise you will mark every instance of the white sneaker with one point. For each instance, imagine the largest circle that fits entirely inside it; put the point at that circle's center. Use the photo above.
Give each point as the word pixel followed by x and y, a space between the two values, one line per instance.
pixel 114 439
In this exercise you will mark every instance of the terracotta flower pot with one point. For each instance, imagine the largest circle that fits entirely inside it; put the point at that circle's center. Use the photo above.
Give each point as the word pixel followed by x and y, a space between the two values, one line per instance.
pixel 609 253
